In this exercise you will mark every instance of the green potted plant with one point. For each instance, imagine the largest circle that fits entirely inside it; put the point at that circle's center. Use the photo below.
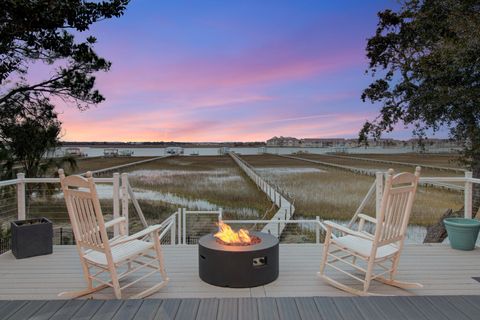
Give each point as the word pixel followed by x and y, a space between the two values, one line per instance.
pixel 462 233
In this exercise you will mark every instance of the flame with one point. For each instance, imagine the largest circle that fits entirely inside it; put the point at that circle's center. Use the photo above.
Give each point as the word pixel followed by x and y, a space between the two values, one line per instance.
pixel 227 235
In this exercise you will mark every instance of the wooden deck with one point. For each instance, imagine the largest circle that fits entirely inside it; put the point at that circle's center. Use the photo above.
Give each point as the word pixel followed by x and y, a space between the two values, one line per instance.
pixel 442 270
pixel 300 308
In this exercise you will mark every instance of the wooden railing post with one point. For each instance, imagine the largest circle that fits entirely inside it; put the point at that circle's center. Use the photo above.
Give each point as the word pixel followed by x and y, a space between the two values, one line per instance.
pixel 21 207
pixel 125 199
pixel 184 226
pixel 179 224
pixel 379 191
pixel 468 193
pixel 116 201
pixel 173 230
pixel 220 214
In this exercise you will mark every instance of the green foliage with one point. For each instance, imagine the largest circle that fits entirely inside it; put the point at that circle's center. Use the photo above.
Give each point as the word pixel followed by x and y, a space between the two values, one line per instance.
pixel 45 32
pixel 425 61
pixel 25 142
pixel 42 32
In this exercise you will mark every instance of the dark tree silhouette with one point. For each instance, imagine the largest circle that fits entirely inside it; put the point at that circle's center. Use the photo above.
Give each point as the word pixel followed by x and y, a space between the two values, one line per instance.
pixel 45 32
pixel 425 58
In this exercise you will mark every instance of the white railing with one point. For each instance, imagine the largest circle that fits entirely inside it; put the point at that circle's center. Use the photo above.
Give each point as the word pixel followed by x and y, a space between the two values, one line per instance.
pixel 185 226
pixel 188 235
pixel 376 189
pixel 286 208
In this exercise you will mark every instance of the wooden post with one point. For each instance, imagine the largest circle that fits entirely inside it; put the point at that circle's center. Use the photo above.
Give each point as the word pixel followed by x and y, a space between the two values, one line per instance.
pixel 184 225
pixel 179 224
pixel 278 228
pixel 173 230
pixel 125 200
pixel 116 201
pixel 468 193
pixel 21 207
pixel 379 192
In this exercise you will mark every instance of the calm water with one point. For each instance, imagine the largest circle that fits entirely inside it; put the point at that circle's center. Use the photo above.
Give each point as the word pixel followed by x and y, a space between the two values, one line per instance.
pixel 156 152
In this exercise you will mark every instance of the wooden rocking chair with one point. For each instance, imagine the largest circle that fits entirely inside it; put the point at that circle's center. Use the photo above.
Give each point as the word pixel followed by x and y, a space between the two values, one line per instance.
pixel 381 249
pixel 100 255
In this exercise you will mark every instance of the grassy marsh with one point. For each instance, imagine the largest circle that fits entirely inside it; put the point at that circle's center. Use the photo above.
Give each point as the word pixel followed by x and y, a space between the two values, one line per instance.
pixel 335 194
pixel 213 179
pixel 91 164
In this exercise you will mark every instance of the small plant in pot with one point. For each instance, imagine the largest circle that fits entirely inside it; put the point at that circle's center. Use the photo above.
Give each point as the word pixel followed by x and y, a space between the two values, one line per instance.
pixel 462 233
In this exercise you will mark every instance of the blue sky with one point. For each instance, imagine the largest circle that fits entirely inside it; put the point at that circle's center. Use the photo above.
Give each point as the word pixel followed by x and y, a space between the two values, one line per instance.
pixel 231 71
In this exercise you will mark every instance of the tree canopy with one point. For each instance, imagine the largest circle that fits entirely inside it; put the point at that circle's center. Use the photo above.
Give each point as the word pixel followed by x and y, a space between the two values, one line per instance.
pixel 425 59
pixel 43 31
pixel 46 32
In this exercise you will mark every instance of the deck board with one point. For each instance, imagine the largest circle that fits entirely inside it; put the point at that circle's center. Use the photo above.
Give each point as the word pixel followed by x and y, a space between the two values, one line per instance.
pixel 302 308
pixel 267 309
pixel 442 271
pixel 148 309
pixel 207 309
pixel 247 308
pixel 49 309
pixel 68 310
pixel 188 309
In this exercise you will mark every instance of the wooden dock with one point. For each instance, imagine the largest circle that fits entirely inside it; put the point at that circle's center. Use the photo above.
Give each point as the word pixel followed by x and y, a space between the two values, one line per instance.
pixel 304 308
pixel 442 271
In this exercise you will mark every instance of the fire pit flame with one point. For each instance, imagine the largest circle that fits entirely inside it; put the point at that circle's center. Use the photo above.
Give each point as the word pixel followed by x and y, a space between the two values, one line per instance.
pixel 227 236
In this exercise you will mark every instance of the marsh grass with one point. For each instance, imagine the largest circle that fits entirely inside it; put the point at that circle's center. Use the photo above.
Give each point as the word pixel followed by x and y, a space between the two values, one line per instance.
pixel 214 179
pixel 427 172
pixel 317 190
pixel 336 194
pixel 91 164
pixel 441 160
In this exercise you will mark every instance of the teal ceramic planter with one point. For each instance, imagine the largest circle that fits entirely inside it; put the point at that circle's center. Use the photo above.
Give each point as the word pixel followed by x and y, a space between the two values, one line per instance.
pixel 462 233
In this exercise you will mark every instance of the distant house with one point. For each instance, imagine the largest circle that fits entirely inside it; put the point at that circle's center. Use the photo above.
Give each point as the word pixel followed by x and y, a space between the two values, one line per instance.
pixel 433 143
pixel 126 153
pixel 174 150
pixel 323 142
pixel 283 142
pixel 73 151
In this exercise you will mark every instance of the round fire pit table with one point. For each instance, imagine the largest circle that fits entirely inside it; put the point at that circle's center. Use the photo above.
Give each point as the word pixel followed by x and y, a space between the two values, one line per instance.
pixel 238 266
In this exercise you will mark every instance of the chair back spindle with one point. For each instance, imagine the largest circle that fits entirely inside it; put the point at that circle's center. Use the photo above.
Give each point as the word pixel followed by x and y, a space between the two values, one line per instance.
pixel 396 206
pixel 84 211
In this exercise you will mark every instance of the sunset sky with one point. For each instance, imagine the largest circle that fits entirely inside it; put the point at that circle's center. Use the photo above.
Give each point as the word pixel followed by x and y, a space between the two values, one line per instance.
pixel 231 71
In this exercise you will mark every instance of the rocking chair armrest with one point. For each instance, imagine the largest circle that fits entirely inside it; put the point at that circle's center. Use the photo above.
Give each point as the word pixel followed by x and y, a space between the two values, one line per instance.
pixel 362 216
pixel 147 231
pixel 140 234
pixel 333 225
pixel 115 221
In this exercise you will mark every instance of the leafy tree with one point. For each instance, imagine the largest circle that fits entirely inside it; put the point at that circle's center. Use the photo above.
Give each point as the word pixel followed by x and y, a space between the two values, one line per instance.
pixel 425 58
pixel 27 141
pixel 41 31
pixel 45 32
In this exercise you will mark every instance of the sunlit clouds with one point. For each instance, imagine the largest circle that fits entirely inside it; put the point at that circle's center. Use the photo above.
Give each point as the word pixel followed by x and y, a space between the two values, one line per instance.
pixel 236 72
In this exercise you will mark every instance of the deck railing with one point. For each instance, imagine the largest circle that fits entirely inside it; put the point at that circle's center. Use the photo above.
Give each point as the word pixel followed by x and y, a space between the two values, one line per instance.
pixel 184 226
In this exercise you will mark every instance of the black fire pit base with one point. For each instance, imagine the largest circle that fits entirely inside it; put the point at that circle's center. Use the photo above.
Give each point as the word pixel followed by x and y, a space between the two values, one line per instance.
pixel 238 266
